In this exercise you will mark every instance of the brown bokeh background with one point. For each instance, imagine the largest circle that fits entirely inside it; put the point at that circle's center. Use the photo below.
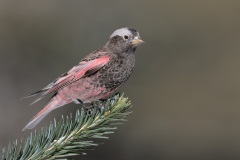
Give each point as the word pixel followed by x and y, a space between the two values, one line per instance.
pixel 185 89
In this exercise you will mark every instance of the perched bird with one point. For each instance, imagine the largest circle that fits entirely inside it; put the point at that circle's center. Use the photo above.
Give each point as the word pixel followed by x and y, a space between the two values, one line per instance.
pixel 97 76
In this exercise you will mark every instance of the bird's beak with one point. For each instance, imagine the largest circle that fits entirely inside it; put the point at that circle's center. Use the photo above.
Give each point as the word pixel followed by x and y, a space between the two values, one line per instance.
pixel 137 41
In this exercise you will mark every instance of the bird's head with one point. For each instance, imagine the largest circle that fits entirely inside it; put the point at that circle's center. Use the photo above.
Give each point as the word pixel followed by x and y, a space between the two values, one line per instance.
pixel 124 40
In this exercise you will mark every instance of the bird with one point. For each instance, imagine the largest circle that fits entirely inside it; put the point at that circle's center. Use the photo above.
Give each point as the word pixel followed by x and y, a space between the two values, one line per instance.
pixel 96 77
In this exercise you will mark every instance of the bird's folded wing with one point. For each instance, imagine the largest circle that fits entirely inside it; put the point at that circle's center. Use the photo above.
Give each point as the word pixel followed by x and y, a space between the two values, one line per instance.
pixel 84 68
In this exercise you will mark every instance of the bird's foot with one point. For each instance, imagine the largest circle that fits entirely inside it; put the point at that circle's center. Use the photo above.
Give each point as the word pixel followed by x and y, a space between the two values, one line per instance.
pixel 97 104
pixel 89 107
pixel 100 104
pixel 89 112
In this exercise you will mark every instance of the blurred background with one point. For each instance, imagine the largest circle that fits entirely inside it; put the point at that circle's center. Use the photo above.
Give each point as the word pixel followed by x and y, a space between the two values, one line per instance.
pixel 185 88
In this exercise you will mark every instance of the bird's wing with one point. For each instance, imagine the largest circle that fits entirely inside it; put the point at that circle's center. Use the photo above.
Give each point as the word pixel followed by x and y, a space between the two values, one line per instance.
pixel 84 68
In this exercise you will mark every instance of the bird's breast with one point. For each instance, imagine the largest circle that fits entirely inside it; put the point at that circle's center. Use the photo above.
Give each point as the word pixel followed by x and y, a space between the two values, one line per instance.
pixel 117 71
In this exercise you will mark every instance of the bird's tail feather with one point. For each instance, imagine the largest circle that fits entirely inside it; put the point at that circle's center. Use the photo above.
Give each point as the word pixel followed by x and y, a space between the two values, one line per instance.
pixel 54 103
pixel 40 95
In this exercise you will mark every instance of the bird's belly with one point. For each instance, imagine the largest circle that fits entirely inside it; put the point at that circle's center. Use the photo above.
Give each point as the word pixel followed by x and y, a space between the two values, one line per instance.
pixel 86 90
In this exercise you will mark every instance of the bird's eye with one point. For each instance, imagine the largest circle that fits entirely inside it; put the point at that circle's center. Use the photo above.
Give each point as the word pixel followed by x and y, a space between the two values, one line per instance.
pixel 125 37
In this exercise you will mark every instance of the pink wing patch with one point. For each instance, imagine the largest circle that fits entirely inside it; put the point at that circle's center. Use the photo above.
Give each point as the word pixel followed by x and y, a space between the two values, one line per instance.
pixel 72 75
pixel 78 72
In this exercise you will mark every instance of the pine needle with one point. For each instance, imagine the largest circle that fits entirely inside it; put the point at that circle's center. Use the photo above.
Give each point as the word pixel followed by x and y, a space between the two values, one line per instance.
pixel 70 136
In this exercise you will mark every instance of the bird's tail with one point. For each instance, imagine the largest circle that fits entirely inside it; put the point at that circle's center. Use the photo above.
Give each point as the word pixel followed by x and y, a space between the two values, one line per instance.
pixel 54 103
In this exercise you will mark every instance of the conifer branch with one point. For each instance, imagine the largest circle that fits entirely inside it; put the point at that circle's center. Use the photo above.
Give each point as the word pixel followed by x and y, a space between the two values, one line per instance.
pixel 70 136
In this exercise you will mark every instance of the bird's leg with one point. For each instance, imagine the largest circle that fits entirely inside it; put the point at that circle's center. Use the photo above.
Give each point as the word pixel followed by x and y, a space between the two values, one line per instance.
pixel 89 108
pixel 88 105
pixel 100 104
